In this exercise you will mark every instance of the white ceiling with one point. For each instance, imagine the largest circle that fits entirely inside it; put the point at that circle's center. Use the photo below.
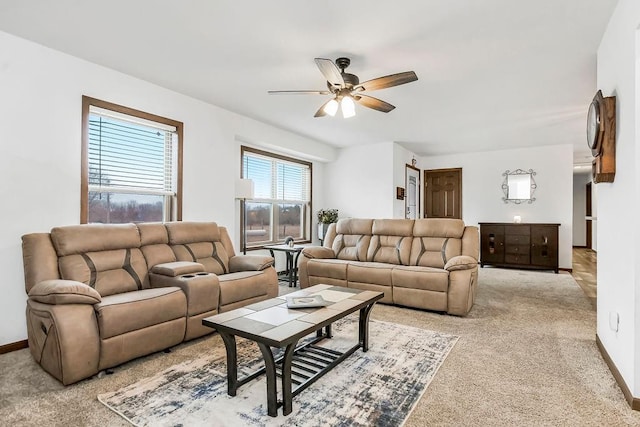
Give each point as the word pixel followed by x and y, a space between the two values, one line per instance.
pixel 493 74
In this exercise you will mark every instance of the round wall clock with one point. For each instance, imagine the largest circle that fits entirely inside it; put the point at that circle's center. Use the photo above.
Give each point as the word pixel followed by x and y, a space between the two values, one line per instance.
pixel 595 126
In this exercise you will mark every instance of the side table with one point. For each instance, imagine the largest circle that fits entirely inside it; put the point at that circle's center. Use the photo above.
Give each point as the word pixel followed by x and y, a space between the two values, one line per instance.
pixel 292 253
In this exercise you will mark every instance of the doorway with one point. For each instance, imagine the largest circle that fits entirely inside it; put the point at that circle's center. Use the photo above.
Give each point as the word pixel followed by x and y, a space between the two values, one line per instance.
pixel 443 193
pixel 412 199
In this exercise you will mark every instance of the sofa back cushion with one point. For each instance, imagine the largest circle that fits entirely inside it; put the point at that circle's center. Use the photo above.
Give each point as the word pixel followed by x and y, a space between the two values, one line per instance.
pixel 105 257
pixel 154 241
pixel 352 239
pixel 436 241
pixel 199 242
pixel 391 241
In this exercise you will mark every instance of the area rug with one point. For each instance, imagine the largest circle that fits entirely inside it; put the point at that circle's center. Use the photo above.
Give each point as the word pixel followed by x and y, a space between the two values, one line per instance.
pixel 376 388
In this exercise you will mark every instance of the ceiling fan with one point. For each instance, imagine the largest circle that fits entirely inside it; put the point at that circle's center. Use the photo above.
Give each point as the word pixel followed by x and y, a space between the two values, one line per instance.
pixel 347 89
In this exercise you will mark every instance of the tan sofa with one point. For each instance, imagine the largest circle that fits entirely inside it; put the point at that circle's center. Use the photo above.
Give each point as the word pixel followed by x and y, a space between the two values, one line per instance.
pixel 100 295
pixel 425 263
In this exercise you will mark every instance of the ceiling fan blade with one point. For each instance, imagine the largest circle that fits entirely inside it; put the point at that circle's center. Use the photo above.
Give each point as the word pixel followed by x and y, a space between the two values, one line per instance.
pixel 299 92
pixel 330 71
pixel 321 112
pixel 388 81
pixel 375 103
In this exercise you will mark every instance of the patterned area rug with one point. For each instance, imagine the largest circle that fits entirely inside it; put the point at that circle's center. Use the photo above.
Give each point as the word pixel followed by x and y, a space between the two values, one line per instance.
pixel 376 388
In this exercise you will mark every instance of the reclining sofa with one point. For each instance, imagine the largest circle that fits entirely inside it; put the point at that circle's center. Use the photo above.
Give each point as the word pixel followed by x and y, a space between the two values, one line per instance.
pixel 100 295
pixel 430 264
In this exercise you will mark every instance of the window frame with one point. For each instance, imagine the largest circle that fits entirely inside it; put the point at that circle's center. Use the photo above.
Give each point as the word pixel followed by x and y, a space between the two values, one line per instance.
pixel 87 103
pixel 307 220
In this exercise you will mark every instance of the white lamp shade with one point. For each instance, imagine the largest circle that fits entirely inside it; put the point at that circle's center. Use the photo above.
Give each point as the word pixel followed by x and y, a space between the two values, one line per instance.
pixel 348 107
pixel 331 107
pixel 244 189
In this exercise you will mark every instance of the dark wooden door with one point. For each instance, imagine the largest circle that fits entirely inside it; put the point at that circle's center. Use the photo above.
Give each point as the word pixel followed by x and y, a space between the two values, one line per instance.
pixel 443 193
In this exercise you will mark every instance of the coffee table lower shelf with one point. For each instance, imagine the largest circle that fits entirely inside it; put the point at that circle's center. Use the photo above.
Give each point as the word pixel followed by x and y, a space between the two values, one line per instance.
pixel 308 363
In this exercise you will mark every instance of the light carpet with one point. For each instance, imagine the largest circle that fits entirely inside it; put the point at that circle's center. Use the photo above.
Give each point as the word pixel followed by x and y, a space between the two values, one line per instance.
pixel 379 387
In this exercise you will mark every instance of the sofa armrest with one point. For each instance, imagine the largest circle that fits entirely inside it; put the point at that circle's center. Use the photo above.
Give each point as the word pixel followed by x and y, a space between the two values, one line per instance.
pixel 60 291
pixel 178 268
pixel 250 263
pixel 312 252
pixel 461 262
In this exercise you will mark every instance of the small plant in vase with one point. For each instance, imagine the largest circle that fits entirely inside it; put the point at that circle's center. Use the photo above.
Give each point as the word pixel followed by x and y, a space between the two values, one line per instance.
pixel 326 217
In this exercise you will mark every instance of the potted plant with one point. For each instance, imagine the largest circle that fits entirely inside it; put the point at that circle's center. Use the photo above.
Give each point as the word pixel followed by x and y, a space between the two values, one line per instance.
pixel 326 217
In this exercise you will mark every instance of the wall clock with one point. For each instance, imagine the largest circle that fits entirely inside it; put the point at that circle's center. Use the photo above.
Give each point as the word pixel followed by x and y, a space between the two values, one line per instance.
pixel 601 137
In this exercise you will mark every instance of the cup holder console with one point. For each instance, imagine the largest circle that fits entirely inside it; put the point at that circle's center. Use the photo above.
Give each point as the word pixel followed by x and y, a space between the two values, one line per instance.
pixel 191 276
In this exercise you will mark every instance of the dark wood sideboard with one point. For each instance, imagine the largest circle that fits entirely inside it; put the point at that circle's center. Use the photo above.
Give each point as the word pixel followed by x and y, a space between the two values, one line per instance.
pixel 523 245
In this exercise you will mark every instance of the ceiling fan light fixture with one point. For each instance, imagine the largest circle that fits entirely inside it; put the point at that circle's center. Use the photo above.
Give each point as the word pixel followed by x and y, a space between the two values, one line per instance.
pixel 331 107
pixel 348 107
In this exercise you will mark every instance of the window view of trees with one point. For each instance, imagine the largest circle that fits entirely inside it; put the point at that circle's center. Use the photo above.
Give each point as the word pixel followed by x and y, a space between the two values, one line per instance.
pixel 114 208
pixel 288 218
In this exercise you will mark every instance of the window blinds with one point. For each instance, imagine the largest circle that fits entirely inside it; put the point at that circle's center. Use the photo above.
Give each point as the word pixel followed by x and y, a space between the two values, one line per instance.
pixel 130 157
pixel 276 179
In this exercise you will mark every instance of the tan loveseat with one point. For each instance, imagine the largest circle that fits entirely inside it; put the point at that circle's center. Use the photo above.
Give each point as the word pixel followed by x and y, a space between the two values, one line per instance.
pixel 425 263
pixel 100 295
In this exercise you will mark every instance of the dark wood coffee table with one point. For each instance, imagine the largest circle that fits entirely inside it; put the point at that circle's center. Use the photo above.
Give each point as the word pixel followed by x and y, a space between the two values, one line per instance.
pixel 271 324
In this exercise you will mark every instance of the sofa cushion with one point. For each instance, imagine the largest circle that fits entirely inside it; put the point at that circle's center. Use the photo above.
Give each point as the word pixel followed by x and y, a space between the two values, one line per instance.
pixel 331 268
pixel 130 311
pixel 423 278
pixel 190 232
pixel 369 272
pixel 390 249
pixel 241 286
pixel 199 242
pixel 109 272
pixel 393 227
pixel 438 227
pixel 352 239
pixel 434 251
pixel 78 239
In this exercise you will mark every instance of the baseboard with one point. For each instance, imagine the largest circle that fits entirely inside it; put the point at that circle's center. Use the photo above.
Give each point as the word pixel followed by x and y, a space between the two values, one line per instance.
pixel 580 247
pixel 8 348
pixel 568 270
pixel 634 402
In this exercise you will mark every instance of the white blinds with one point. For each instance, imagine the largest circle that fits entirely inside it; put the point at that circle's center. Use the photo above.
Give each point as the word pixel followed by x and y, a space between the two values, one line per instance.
pixel 128 157
pixel 277 179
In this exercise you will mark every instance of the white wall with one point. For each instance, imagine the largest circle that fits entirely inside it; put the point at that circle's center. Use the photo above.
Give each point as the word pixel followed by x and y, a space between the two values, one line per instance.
pixel 618 202
pixel 40 106
pixel 482 187
pixel 360 183
pixel 580 181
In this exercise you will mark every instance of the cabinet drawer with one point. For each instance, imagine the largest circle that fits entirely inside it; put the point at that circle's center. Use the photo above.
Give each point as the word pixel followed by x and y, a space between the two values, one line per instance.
pixel 516 259
pixel 517 229
pixel 517 239
pixel 517 249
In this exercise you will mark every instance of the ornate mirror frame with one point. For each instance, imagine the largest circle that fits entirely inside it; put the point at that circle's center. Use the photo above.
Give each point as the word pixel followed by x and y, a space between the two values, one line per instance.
pixel 513 175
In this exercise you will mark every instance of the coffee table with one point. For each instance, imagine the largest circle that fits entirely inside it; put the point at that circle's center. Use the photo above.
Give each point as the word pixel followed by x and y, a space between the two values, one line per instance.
pixel 271 324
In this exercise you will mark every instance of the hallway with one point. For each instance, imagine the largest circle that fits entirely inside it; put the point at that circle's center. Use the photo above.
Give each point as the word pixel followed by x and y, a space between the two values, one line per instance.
pixel 584 272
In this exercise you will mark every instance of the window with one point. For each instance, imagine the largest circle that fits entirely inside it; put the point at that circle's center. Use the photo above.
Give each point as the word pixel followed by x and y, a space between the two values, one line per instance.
pixel 131 165
pixel 281 205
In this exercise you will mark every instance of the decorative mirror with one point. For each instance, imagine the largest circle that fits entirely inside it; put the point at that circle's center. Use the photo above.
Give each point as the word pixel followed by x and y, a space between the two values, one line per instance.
pixel 518 186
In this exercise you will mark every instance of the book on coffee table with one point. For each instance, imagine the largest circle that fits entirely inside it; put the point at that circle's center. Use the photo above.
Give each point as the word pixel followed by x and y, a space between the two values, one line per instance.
pixel 306 301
